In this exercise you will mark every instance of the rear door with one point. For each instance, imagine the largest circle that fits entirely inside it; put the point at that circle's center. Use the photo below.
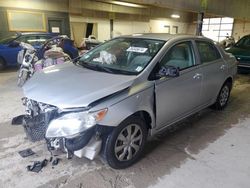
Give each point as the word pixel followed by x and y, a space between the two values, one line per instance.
pixel 179 96
pixel 214 70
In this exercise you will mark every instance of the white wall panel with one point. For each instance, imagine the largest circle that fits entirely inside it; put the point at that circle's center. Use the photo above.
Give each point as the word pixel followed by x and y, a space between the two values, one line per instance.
pixel 103 27
pixel 161 26
pixel 130 27
pixel 240 29
pixel 127 27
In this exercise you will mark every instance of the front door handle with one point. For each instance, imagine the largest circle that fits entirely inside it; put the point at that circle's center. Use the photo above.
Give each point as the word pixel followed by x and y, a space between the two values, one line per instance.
pixel 197 76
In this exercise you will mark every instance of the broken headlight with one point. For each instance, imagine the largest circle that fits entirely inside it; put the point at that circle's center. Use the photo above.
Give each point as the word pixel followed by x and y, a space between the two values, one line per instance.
pixel 72 124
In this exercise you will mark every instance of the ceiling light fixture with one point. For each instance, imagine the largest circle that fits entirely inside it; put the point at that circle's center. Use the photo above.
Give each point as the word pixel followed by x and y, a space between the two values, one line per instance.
pixel 175 16
pixel 127 4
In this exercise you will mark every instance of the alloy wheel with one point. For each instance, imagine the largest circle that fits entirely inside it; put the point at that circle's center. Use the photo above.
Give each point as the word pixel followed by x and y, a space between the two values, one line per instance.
pixel 128 142
pixel 224 95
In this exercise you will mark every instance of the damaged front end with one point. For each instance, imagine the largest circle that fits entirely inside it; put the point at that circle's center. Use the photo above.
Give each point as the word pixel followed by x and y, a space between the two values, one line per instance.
pixel 73 131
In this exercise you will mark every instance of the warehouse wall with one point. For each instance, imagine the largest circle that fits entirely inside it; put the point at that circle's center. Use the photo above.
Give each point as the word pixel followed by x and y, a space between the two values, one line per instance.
pixel 241 28
pixel 4 28
pixel 48 5
pixel 122 27
pixel 191 28
pixel 103 28
pixel 162 26
pixel 130 27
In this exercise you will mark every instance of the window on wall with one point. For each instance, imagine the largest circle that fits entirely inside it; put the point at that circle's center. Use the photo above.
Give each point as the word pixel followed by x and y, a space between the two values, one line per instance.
pixel 217 28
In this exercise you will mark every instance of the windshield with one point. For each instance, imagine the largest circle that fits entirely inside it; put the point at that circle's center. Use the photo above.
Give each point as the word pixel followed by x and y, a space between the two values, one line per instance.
pixel 244 42
pixel 7 39
pixel 122 55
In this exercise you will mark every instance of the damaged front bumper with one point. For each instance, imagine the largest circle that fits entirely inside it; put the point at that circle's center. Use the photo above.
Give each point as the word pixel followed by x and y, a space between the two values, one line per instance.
pixel 87 144
pixel 74 132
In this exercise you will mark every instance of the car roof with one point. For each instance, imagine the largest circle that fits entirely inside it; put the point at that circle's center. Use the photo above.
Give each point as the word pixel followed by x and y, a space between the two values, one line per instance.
pixel 165 36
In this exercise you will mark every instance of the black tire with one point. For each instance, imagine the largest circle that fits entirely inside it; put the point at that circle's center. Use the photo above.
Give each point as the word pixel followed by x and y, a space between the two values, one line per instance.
pixel 139 130
pixel 2 64
pixel 223 96
pixel 22 77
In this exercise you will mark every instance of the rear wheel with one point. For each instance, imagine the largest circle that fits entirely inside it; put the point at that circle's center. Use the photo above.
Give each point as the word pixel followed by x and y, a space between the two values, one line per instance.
pixel 223 97
pixel 125 144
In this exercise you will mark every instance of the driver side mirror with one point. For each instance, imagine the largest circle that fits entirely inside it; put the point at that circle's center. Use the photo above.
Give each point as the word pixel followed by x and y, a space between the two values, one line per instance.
pixel 168 71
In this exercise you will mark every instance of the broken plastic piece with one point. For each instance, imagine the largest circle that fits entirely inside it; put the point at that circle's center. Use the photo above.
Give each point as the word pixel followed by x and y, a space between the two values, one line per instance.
pixel 55 161
pixel 50 159
pixel 26 153
pixel 37 166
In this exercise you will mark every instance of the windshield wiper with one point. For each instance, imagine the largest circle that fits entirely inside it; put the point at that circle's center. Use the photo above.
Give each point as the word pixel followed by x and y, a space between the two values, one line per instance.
pixel 95 67
pixel 98 67
pixel 124 72
pixel 103 68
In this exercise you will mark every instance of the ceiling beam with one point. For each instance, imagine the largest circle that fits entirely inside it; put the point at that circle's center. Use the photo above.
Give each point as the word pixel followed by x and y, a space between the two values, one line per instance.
pixel 231 8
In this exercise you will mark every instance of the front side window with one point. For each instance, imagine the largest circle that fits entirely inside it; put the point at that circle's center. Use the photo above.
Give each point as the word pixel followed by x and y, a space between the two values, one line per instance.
pixel 122 55
pixel 207 52
pixel 180 56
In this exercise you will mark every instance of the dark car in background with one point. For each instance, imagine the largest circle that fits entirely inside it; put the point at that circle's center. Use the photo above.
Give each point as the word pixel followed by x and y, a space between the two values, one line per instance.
pixel 241 50
pixel 9 46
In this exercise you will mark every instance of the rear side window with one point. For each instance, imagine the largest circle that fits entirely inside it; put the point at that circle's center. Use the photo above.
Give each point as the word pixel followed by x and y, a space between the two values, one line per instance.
pixel 207 51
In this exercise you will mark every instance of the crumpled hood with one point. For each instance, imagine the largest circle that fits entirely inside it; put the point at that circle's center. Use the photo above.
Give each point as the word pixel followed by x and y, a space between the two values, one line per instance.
pixel 69 86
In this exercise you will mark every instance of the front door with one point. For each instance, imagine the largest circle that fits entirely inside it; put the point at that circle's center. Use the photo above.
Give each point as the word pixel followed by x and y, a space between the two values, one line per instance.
pixel 179 96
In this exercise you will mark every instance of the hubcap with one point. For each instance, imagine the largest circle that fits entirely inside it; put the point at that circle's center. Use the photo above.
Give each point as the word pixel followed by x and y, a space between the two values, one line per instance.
pixel 128 142
pixel 224 95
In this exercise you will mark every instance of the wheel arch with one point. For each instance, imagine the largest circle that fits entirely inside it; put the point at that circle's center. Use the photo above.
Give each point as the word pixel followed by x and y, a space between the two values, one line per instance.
pixel 143 115
pixel 230 81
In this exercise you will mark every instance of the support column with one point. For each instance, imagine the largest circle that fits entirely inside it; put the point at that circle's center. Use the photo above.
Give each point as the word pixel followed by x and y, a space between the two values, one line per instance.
pixel 199 23
pixel 111 28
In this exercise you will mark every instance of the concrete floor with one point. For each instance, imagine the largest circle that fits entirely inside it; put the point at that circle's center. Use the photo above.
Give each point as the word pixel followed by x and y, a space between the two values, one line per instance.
pixel 210 149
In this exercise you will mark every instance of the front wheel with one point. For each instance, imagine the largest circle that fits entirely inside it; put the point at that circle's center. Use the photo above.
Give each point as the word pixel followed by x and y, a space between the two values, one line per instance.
pixel 2 64
pixel 22 77
pixel 223 97
pixel 125 144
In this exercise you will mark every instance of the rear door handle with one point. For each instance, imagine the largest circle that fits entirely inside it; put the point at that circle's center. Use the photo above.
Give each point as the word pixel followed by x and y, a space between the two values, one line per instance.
pixel 197 76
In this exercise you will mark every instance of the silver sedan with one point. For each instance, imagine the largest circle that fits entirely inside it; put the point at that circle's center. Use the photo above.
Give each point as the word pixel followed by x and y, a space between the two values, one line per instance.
pixel 123 91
